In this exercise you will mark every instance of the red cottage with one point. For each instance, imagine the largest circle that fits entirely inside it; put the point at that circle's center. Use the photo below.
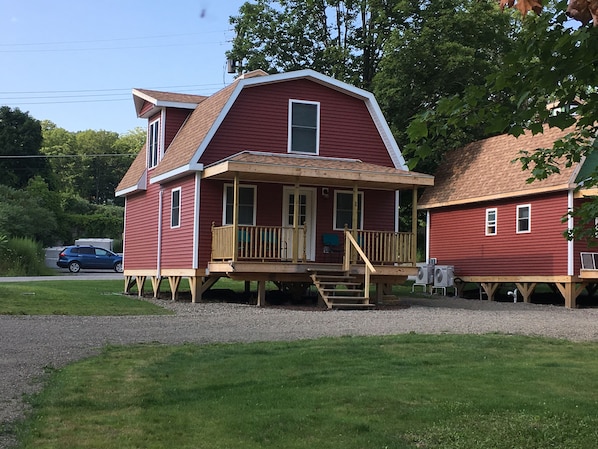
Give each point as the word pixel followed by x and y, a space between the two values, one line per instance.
pixel 490 224
pixel 289 178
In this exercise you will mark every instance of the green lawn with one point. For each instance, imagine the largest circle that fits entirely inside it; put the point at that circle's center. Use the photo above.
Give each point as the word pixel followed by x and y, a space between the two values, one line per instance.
pixel 62 297
pixel 408 391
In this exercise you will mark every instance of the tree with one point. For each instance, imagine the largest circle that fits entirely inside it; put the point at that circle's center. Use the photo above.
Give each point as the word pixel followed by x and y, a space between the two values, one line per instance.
pixel 20 142
pixel 343 39
pixel 22 214
pixel 90 163
pixel 444 47
pixel 550 64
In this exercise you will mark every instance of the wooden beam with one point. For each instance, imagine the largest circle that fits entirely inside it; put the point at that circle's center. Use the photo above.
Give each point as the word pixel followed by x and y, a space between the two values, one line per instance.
pixel 526 289
pixel 194 285
pixel 129 281
pixel 140 281
pixel 261 293
pixel 354 211
pixel 156 281
pixel 236 216
pixel 414 226
pixel 174 282
pixel 490 289
pixel 296 224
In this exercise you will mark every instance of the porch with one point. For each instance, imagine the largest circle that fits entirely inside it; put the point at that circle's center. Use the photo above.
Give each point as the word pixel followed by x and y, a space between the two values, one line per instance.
pixel 277 254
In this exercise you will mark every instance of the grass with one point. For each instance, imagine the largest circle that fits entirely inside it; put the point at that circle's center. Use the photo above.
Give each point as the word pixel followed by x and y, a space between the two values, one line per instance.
pixel 62 297
pixel 409 391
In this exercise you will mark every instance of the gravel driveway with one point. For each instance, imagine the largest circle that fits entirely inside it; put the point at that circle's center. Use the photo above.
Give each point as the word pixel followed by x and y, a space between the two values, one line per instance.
pixel 28 344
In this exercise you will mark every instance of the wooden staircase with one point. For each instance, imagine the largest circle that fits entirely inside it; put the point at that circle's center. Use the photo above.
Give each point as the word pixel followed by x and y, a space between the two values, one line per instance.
pixel 340 290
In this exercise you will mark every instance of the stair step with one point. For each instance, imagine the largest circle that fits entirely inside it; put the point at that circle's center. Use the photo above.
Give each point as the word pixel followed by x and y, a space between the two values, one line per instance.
pixel 347 298
pixel 352 306
pixel 345 294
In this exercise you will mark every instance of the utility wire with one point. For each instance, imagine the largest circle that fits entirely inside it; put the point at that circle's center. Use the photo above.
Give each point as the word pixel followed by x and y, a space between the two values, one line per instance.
pixel 39 156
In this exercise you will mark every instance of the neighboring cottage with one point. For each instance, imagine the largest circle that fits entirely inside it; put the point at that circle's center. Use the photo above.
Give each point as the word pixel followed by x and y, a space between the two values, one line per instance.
pixel 274 178
pixel 494 227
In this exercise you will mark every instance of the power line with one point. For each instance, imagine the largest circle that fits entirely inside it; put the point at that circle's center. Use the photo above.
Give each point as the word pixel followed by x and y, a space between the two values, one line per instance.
pixel 47 156
pixel 136 47
pixel 119 39
pixel 127 89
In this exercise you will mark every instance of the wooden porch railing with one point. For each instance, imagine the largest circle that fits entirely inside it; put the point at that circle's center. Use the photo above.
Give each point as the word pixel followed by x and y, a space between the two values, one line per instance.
pixel 384 247
pixel 351 245
pixel 257 243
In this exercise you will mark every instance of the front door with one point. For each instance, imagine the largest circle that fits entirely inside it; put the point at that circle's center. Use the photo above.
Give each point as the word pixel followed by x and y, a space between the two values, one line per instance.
pixel 307 218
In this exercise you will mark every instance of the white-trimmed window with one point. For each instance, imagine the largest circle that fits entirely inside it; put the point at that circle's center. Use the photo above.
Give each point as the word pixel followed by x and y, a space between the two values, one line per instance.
pixel 153 144
pixel 491 219
pixel 247 208
pixel 524 218
pixel 175 208
pixel 304 127
pixel 343 210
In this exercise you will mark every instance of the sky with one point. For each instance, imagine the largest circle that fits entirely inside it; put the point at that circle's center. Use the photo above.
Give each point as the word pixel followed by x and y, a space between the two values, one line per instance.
pixel 75 63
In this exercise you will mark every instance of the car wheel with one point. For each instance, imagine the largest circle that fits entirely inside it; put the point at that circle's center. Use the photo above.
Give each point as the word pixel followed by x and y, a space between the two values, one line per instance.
pixel 74 267
pixel 118 267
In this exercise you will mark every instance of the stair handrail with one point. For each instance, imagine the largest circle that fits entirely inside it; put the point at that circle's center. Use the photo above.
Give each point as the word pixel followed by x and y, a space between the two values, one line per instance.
pixel 369 268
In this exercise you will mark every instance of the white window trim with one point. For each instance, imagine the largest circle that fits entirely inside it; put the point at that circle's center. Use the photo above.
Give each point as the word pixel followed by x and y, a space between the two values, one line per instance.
pixel 529 219
pixel 158 149
pixel 178 189
pixel 349 192
pixel 241 186
pixel 290 127
pixel 494 223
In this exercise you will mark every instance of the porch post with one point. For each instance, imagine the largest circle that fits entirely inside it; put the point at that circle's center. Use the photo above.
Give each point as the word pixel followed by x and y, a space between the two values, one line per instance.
pixel 414 227
pixel 355 210
pixel 235 217
pixel 296 224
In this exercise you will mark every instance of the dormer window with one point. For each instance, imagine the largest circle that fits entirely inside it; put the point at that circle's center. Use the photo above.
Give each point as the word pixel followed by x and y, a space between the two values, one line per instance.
pixel 153 144
pixel 304 127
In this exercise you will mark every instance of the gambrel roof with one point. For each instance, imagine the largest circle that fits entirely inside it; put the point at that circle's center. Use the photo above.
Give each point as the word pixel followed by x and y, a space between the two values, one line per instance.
pixel 488 169
pixel 184 153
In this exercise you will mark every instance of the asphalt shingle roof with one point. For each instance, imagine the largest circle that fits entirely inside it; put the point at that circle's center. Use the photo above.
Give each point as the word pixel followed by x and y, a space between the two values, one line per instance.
pixel 488 169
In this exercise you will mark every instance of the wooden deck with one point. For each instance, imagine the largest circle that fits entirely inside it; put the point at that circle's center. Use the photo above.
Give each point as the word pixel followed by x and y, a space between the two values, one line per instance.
pixel 570 287
pixel 262 254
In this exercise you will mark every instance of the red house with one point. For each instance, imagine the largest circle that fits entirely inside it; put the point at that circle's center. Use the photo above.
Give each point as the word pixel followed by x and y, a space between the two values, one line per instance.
pixel 484 219
pixel 285 178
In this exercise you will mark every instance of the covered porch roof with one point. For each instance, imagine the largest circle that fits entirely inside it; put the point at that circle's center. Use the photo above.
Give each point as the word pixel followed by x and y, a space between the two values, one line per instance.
pixel 314 170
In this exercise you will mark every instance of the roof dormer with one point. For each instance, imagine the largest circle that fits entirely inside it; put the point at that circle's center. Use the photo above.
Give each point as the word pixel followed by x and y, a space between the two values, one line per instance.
pixel 149 102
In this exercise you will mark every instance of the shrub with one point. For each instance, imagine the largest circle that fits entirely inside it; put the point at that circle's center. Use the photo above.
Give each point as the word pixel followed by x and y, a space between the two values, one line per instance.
pixel 22 257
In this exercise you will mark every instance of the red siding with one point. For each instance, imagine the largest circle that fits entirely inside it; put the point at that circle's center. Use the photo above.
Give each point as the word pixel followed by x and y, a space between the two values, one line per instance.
pixel 141 230
pixel 177 243
pixel 174 120
pixel 146 107
pixel 457 237
pixel 211 212
pixel 259 121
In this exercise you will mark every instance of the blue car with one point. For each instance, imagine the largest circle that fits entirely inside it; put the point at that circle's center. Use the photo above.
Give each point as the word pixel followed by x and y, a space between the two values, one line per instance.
pixel 77 257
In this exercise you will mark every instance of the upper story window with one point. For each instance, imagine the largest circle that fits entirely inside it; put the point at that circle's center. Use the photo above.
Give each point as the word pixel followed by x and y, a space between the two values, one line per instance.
pixel 175 208
pixel 343 210
pixel 304 127
pixel 524 218
pixel 491 218
pixel 246 205
pixel 153 144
